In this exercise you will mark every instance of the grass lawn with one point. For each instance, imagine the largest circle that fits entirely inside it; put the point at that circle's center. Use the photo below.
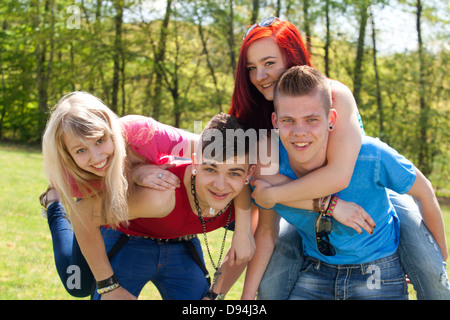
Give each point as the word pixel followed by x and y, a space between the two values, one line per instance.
pixel 27 269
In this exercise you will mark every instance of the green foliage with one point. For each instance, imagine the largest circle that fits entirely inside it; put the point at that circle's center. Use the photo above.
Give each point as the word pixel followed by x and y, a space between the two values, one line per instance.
pixel 185 71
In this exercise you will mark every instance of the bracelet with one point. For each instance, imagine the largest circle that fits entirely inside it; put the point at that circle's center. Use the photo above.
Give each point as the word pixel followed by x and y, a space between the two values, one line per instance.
pixel 332 205
pixel 108 285
pixel 316 206
pixel 45 203
pixel 214 296
pixel 108 289
pixel 323 202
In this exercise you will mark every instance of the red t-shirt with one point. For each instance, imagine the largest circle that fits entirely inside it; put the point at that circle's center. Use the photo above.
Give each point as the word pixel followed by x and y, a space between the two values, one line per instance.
pixel 182 221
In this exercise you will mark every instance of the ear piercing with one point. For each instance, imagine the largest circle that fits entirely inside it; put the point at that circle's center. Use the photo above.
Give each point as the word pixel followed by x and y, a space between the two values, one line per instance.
pixel 194 172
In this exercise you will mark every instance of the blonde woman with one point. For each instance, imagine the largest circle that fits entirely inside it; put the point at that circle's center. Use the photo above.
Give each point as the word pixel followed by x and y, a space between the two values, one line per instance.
pixel 88 154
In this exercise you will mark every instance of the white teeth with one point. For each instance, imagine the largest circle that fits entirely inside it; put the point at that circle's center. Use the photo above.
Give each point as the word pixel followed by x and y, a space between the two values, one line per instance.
pixel 301 144
pixel 100 165
pixel 267 85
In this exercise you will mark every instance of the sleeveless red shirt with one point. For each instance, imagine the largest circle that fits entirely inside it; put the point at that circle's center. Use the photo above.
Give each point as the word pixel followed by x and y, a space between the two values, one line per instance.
pixel 182 221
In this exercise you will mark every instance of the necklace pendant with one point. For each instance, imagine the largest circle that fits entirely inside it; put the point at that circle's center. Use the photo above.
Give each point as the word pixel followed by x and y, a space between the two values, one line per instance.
pixel 212 211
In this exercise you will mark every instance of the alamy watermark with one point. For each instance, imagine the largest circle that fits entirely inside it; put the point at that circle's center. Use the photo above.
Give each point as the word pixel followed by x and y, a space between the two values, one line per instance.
pixel 263 148
pixel 74 20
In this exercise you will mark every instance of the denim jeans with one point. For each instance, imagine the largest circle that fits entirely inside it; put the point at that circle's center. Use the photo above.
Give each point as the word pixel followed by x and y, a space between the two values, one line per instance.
pixel 73 270
pixel 382 279
pixel 420 257
pixel 170 267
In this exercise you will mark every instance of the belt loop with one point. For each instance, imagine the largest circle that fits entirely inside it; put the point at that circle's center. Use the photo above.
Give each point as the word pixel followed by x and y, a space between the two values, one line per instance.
pixel 317 266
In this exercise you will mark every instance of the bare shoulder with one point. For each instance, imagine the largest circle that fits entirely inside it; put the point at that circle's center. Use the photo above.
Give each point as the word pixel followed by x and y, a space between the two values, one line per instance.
pixel 342 97
pixel 150 203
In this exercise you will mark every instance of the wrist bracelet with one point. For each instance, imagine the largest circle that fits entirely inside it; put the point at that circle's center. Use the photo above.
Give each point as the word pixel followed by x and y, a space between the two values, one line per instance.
pixel 214 296
pixel 108 285
pixel 333 201
pixel 316 206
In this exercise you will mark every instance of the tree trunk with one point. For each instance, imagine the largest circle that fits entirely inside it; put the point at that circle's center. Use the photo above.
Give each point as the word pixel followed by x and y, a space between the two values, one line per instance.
pixel 159 55
pixel 218 97
pixel 255 12
pixel 424 158
pixel 307 25
pixel 327 39
pixel 117 55
pixel 44 66
pixel 377 82
pixel 232 54
pixel 357 71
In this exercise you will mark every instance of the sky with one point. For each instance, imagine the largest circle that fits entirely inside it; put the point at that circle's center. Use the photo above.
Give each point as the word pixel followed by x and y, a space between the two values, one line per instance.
pixel 396 28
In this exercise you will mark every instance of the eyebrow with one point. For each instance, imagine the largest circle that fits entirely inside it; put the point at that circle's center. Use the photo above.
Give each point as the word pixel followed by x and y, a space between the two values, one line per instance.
pixel 314 115
pixel 215 166
pixel 263 59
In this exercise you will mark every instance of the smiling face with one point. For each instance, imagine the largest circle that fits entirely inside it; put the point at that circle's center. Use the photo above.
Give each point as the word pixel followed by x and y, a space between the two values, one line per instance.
pixel 265 64
pixel 303 128
pixel 219 183
pixel 92 154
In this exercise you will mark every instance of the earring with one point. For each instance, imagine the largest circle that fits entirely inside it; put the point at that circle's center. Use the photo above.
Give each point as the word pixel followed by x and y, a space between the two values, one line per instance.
pixel 331 127
pixel 194 172
pixel 247 181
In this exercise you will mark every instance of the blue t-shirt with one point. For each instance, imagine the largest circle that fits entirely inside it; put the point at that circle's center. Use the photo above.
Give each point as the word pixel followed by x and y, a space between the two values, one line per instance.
pixel 378 167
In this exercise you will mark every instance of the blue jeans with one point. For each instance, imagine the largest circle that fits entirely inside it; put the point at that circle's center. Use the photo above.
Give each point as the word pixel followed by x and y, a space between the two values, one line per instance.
pixel 170 267
pixel 73 270
pixel 382 279
pixel 420 257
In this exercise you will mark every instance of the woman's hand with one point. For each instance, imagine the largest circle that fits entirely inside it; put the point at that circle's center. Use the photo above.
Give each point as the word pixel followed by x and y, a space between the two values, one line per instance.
pixel 353 216
pixel 155 177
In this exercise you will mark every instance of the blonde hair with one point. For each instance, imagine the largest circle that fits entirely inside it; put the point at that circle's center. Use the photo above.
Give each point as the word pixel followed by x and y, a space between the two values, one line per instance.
pixel 85 116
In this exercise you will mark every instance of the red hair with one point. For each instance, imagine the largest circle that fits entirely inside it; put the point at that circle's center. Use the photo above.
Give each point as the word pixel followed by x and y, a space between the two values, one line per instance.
pixel 247 103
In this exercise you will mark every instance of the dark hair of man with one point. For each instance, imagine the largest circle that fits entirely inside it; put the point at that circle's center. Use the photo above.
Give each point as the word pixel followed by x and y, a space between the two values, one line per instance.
pixel 225 137
pixel 301 81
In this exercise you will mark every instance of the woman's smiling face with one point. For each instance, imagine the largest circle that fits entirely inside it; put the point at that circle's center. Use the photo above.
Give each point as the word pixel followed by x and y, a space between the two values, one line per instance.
pixel 92 155
pixel 265 64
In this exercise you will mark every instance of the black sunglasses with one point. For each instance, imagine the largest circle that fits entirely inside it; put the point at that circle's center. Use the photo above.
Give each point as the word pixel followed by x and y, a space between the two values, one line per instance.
pixel 323 226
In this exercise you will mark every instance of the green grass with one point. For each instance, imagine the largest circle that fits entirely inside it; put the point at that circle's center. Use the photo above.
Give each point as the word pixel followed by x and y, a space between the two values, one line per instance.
pixel 27 269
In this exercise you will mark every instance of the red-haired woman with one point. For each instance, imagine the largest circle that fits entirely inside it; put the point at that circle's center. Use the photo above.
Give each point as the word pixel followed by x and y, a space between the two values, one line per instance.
pixel 269 48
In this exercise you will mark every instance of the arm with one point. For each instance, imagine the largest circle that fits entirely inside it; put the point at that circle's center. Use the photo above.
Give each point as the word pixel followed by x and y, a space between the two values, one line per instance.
pixel 86 228
pixel 348 213
pixel 423 192
pixel 243 244
pixel 343 149
pixel 265 237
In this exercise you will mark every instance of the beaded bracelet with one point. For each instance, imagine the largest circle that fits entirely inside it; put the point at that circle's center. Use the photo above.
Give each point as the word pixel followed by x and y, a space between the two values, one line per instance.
pixel 333 201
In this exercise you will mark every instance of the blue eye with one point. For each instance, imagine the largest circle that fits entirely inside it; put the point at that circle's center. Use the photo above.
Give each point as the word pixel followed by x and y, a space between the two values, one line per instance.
pixel 81 150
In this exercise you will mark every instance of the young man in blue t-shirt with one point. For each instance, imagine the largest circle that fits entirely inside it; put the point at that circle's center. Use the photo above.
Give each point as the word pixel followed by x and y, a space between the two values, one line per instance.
pixel 340 262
